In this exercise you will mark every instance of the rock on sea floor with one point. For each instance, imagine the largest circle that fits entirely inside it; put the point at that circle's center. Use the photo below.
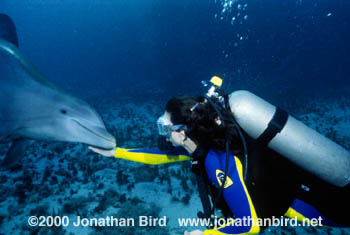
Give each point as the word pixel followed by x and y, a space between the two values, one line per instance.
pixel 67 180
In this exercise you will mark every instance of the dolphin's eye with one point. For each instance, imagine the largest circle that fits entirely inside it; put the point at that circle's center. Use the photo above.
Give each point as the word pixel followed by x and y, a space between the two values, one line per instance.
pixel 63 111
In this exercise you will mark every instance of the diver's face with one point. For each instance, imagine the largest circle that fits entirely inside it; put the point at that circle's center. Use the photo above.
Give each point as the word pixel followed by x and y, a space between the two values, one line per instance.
pixel 178 132
pixel 174 133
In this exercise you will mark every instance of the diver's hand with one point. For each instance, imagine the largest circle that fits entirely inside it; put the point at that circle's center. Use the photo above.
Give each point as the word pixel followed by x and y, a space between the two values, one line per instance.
pixel 195 232
pixel 104 152
pixel 177 138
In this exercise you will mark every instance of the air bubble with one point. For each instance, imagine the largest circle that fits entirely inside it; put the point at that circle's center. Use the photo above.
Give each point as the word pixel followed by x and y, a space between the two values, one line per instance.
pixel 233 20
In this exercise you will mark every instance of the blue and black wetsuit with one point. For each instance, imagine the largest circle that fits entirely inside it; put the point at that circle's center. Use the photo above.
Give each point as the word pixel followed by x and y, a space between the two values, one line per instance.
pixel 235 193
pixel 239 198
pixel 273 187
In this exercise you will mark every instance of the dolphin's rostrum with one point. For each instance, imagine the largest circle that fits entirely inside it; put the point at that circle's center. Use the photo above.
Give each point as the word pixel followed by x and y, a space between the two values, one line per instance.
pixel 31 107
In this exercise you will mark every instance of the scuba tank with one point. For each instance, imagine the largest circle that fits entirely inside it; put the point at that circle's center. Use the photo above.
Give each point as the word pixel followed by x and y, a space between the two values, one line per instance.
pixel 291 138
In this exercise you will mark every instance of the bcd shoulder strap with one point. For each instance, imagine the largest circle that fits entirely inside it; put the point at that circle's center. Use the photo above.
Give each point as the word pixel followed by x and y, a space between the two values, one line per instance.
pixel 274 127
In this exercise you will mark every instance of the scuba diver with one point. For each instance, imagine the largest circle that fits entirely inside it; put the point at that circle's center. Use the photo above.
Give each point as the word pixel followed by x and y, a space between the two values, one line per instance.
pixel 291 170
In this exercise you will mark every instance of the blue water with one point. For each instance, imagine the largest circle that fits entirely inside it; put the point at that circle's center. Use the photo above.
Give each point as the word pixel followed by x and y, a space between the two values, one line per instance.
pixel 288 51
pixel 101 47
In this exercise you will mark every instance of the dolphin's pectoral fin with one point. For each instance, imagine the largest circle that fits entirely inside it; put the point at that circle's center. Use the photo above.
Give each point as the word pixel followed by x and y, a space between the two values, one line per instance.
pixel 16 151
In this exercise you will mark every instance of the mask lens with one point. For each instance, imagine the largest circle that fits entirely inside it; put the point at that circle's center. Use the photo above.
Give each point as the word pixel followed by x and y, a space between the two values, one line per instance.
pixel 164 126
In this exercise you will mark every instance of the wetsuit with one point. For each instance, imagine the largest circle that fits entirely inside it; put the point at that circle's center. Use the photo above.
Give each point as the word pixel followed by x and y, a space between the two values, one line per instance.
pixel 235 194
pixel 271 191
pixel 238 197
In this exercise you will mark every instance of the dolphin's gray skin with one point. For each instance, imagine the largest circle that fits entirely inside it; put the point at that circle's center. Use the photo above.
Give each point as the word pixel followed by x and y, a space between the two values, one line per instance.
pixel 31 107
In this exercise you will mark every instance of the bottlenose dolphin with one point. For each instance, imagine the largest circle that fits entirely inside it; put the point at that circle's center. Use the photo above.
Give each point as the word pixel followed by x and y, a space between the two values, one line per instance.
pixel 33 108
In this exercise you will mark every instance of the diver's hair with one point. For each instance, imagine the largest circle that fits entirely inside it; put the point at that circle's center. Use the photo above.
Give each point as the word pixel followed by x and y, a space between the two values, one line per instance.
pixel 203 128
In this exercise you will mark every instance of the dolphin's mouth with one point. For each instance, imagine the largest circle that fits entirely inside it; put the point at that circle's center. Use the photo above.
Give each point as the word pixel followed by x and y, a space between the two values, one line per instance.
pixel 112 140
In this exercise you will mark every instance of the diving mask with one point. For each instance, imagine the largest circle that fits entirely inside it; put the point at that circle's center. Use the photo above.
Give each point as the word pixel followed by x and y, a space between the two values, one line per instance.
pixel 165 127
